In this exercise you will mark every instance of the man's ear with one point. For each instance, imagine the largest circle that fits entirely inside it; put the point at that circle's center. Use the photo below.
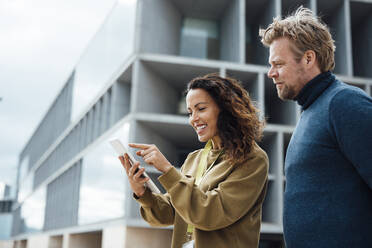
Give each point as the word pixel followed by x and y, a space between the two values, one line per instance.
pixel 310 58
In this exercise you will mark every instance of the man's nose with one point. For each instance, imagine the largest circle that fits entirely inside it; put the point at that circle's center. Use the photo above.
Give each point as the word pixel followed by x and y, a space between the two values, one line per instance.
pixel 272 73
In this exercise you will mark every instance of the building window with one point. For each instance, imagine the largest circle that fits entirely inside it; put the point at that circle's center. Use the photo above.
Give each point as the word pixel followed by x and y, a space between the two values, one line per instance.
pixel 200 38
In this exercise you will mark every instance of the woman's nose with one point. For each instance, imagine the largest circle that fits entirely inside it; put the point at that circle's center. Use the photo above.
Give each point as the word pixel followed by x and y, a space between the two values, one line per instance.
pixel 194 117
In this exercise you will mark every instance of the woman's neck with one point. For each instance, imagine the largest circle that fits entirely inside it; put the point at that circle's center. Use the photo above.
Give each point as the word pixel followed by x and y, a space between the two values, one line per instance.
pixel 216 142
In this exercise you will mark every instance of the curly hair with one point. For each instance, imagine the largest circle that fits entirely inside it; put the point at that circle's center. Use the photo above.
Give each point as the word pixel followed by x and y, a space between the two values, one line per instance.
pixel 307 32
pixel 238 123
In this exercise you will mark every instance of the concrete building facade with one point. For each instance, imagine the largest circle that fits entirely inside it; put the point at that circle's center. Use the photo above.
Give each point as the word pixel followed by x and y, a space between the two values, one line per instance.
pixel 129 83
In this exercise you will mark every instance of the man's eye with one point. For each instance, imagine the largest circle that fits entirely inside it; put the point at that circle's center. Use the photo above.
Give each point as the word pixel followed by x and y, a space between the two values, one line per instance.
pixel 189 114
pixel 201 109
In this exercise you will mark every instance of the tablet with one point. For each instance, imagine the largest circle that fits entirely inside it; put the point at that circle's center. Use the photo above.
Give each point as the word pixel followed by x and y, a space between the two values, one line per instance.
pixel 121 150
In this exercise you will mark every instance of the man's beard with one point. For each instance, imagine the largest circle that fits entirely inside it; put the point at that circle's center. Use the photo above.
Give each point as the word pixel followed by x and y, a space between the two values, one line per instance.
pixel 286 93
pixel 289 92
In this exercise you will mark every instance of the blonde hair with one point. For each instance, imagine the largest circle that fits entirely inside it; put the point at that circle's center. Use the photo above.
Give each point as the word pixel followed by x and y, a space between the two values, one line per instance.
pixel 307 32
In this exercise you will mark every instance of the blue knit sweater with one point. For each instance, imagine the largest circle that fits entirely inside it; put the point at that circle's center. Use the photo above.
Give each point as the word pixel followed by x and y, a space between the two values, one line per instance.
pixel 328 168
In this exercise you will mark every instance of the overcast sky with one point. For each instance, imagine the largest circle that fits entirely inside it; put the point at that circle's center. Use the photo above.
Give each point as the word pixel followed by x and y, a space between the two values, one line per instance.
pixel 40 43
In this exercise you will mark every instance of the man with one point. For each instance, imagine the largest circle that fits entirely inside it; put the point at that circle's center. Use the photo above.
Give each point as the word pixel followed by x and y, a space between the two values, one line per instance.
pixel 328 168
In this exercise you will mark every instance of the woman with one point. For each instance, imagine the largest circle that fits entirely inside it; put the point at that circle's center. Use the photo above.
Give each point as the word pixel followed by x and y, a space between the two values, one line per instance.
pixel 216 199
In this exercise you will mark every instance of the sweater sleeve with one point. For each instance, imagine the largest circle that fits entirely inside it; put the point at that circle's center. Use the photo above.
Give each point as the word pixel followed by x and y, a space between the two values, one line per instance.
pixel 351 120
pixel 222 206
pixel 156 209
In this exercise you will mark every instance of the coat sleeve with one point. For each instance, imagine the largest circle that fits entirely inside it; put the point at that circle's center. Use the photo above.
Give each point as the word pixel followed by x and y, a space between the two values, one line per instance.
pixel 223 205
pixel 351 121
pixel 156 209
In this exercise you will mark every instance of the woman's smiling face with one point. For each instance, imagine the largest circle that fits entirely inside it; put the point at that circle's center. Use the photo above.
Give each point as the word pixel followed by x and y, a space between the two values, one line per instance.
pixel 203 115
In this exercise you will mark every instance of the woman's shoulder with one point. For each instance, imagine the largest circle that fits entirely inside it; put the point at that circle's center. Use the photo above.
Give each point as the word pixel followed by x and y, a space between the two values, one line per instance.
pixel 258 151
pixel 194 153
pixel 256 158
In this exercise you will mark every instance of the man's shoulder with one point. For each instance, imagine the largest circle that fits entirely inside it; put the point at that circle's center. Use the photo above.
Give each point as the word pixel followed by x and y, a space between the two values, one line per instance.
pixel 339 92
pixel 348 101
pixel 343 92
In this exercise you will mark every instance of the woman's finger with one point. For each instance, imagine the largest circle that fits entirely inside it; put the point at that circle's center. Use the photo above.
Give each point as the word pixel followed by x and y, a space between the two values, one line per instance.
pixel 143 180
pixel 148 155
pixel 124 163
pixel 133 169
pixel 138 174
pixel 147 151
pixel 140 146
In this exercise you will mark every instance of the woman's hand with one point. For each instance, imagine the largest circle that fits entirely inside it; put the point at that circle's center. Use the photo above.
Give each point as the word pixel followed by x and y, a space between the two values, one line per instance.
pixel 134 175
pixel 152 156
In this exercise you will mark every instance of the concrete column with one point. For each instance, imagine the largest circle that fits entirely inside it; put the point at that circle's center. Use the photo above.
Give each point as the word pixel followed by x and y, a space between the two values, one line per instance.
pixel 114 237
pixel 66 240
pixel 6 244
pixel 38 241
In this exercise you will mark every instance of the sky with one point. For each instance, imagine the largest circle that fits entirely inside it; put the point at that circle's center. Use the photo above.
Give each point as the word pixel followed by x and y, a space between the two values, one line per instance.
pixel 40 43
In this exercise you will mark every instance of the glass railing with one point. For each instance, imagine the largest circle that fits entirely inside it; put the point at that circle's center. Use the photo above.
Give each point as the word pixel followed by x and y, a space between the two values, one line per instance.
pixel 105 54
pixel 102 183
pixel 32 212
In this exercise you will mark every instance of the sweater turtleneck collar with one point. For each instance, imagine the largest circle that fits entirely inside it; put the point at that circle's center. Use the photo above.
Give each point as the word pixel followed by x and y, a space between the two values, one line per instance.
pixel 313 89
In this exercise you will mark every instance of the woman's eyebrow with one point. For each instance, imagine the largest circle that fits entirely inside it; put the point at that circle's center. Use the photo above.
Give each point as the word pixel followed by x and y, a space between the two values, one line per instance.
pixel 196 105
